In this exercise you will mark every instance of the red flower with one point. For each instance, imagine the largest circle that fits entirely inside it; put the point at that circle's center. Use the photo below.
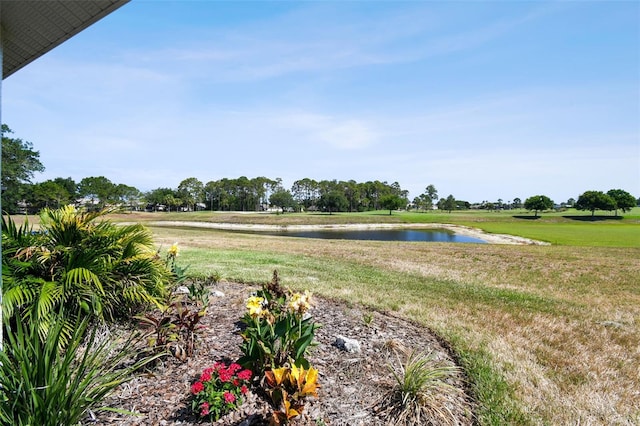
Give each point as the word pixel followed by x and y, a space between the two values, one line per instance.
pixel 209 370
pixel 236 382
pixel 244 389
pixel 245 375
pixel 218 366
pixel 197 387
pixel 229 397
pixel 205 377
pixel 234 367
pixel 204 409
pixel 225 375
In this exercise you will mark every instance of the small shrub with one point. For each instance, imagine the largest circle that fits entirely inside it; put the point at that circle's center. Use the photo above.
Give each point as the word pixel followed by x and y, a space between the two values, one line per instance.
pixel 173 326
pixel 175 322
pixel 367 319
pixel 219 390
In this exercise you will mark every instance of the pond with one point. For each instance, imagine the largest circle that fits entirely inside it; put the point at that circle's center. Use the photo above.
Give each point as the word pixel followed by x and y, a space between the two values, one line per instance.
pixel 424 235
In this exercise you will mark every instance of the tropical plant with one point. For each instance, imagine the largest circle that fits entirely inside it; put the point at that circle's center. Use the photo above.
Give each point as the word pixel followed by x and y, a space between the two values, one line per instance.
pixel 91 267
pixel 40 384
pixel 277 330
pixel 288 387
pixel 174 326
pixel 421 394
pixel 174 322
pixel 219 390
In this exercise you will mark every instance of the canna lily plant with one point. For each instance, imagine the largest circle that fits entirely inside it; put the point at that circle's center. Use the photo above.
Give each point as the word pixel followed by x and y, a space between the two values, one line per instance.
pixel 288 387
pixel 278 329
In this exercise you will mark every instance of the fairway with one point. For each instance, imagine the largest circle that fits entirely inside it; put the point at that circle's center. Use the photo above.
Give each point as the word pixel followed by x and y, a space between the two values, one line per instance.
pixel 547 334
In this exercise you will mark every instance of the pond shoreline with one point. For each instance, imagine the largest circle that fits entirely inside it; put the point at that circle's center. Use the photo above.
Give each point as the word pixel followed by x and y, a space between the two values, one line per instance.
pixel 457 229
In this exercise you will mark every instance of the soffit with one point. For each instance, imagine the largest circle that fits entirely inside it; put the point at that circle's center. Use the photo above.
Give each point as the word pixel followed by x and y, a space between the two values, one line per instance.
pixel 32 28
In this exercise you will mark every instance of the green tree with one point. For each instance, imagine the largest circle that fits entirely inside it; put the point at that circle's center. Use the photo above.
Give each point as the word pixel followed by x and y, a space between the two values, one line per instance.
pixel 19 164
pixel 432 193
pixel 392 202
pixel 333 201
pixel 595 200
pixel 624 200
pixel 352 192
pixel 47 194
pixel 449 203
pixel 538 203
pixel 191 191
pixel 157 197
pixel 128 196
pixel 99 190
pixel 69 185
pixel 306 192
pixel 172 202
pixel 283 199
pixel 517 203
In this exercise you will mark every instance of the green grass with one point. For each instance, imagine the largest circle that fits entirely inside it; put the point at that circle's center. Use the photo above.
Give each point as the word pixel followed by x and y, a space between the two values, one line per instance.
pixel 572 228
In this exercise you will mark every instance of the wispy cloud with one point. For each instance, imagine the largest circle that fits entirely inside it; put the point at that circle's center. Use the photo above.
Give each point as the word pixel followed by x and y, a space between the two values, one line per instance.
pixel 317 39
pixel 329 131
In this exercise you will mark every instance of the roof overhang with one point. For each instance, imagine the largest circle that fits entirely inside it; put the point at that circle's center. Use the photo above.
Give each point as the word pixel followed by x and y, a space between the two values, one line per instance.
pixel 32 28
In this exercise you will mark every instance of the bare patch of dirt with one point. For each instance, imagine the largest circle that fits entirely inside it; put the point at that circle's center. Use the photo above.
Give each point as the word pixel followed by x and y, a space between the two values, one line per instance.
pixel 352 384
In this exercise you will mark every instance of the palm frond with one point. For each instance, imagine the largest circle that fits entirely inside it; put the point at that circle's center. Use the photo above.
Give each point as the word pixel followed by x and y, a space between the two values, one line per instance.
pixel 15 297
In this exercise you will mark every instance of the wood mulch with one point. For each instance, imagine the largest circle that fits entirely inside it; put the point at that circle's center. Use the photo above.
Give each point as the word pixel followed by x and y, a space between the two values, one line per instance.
pixel 353 385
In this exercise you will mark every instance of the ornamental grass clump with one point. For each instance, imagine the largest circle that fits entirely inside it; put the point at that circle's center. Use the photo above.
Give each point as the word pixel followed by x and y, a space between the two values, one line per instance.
pixel 278 330
pixel 46 385
pixel 219 390
pixel 421 395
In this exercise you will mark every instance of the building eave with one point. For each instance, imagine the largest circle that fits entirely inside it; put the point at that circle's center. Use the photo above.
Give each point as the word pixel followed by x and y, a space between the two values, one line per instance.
pixel 32 28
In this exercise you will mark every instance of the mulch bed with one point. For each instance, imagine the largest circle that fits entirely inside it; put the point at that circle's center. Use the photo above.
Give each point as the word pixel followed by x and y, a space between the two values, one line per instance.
pixel 353 385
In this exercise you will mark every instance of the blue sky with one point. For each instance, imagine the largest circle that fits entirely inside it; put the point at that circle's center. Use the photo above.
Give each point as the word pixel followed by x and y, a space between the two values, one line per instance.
pixel 485 100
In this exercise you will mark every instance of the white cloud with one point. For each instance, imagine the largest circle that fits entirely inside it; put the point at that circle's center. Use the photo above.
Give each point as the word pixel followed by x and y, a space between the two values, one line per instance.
pixel 339 133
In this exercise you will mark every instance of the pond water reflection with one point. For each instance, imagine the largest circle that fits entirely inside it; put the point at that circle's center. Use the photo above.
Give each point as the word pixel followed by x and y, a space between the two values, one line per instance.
pixel 425 235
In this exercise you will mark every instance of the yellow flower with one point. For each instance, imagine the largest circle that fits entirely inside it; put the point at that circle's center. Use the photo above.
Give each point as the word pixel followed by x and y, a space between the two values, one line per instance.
pixel 254 304
pixel 300 303
pixel 173 250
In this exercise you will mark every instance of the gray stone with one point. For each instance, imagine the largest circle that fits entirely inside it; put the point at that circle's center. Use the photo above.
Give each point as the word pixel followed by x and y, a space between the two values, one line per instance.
pixel 347 344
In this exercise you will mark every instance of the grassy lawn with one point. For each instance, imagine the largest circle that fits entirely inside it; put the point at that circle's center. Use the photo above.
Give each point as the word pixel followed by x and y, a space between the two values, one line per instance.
pixel 547 334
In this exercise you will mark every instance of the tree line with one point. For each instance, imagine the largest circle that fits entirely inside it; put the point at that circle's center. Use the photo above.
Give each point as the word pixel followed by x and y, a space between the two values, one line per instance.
pixel 20 162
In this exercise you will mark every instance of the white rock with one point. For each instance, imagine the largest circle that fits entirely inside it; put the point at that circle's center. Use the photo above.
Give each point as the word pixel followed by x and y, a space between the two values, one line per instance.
pixel 347 344
pixel 217 293
pixel 181 290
